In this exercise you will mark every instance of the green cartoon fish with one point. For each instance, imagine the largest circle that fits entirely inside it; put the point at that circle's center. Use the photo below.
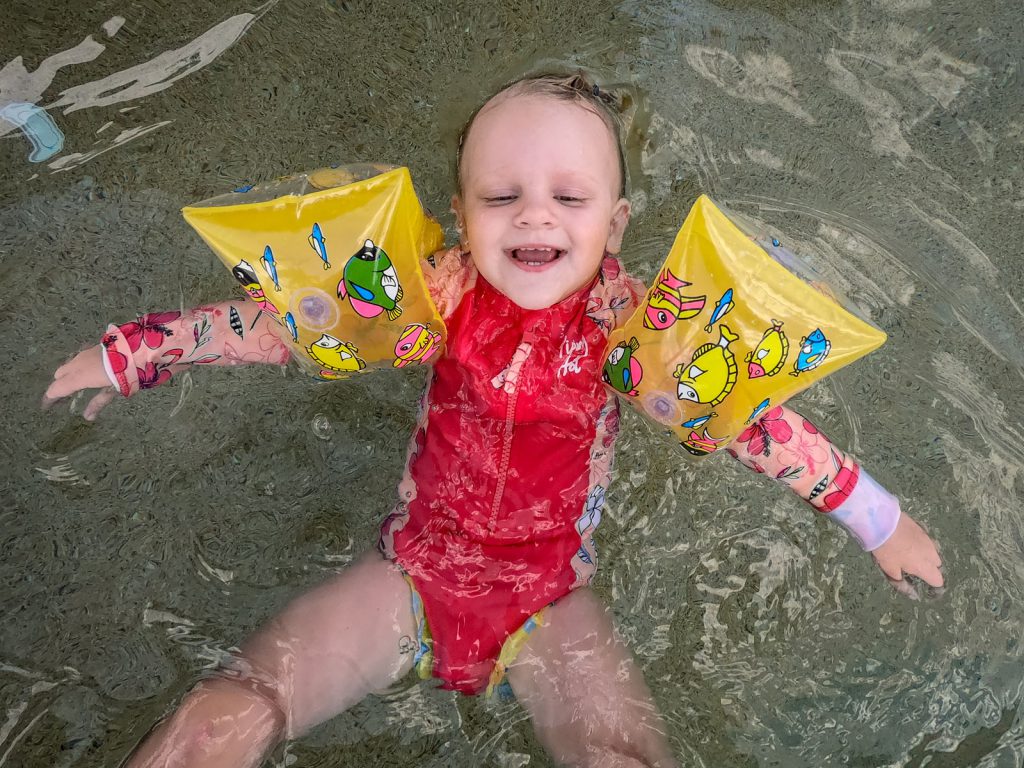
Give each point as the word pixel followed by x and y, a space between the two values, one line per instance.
pixel 370 283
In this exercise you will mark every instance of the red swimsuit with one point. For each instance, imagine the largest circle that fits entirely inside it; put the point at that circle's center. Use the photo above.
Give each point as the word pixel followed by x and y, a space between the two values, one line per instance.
pixel 515 438
pixel 509 463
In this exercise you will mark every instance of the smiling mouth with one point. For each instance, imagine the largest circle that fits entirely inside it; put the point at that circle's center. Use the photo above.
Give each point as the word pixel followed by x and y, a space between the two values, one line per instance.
pixel 536 257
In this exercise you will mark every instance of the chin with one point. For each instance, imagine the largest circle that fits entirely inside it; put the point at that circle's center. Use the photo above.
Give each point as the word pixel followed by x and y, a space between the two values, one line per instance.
pixel 533 298
pixel 533 304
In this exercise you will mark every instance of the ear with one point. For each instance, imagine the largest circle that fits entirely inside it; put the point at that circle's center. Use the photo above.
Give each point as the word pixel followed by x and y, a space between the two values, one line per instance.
pixel 620 218
pixel 460 217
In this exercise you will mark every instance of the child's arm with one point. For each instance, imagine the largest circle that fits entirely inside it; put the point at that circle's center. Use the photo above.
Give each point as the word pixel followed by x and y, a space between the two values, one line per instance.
pixel 148 351
pixel 787 447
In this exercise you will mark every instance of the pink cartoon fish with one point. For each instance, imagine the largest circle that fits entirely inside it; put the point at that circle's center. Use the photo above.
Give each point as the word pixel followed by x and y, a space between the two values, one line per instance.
pixel 667 304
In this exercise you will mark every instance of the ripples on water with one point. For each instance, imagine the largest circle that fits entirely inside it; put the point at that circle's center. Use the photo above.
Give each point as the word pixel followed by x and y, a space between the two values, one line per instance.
pixel 885 138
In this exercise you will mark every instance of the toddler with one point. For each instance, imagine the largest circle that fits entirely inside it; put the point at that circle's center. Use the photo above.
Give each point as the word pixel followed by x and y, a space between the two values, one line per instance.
pixel 483 565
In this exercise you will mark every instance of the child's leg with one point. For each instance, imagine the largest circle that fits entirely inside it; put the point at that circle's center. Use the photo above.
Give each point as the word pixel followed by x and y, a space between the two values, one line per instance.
pixel 585 694
pixel 322 654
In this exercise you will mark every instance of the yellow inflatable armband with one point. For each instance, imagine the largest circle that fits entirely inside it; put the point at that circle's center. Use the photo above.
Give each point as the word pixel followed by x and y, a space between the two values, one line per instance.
pixel 333 255
pixel 727 331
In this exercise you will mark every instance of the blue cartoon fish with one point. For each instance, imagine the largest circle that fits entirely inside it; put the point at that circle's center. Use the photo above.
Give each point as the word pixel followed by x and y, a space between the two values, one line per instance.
pixel 813 351
pixel 700 421
pixel 293 329
pixel 758 410
pixel 318 244
pixel 271 266
pixel 722 307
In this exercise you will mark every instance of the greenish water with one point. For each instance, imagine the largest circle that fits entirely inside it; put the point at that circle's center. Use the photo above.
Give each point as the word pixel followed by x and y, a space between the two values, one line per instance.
pixel 887 138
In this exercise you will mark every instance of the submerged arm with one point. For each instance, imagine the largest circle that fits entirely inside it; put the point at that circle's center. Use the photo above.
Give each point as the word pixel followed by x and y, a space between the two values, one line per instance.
pixel 148 351
pixel 787 447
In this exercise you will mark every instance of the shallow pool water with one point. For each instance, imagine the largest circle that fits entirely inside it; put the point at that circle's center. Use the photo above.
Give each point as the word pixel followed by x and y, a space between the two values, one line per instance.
pixel 886 138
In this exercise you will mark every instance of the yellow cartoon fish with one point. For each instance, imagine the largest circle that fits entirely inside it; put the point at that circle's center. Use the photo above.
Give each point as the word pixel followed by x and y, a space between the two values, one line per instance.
pixel 710 376
pixel 770 355
pixel 335 355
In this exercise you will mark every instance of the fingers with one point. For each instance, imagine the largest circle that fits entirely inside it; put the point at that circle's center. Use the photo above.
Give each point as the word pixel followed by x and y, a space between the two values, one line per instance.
pixel 931 575
pixel 98 403
pixel 59 388
pixel 84 371
pixel 904 587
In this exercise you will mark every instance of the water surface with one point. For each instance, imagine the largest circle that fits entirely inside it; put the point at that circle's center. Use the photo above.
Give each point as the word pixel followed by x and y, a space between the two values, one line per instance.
pixel 885 138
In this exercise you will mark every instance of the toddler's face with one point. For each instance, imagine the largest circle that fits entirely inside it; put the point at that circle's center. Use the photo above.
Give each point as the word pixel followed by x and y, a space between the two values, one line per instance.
pixel 540 201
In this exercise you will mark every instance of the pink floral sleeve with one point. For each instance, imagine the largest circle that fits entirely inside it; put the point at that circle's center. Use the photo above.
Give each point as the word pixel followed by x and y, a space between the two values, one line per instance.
pixel 787 447
pixel 146 352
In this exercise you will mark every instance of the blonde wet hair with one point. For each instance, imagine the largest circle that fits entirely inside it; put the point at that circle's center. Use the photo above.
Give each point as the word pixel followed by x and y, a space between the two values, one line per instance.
pixel 578 88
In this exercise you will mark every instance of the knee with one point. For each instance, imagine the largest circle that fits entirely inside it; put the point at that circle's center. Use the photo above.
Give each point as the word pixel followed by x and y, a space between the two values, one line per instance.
pixel 219 722
pixel 617 756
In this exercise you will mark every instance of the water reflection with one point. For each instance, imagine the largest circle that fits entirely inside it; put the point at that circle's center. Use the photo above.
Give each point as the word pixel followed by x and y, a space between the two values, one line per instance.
pixel 20 89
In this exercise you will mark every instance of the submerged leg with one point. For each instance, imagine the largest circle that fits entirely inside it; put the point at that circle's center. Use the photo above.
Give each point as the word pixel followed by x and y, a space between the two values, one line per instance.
pixel 323 653
pixel 585 694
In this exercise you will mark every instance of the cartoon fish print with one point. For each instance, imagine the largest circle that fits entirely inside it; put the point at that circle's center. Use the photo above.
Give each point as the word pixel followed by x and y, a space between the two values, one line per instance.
pixel 271 266
pixel 710 376
pixel 701 444
pixel 235 321
pixel 819 488
pixel 813 351
pixel 370 283
pixel 667 303
pixel 770 354
pixel 700 421
pixel 722 307
pixel 293 329
pixel 246 275
pixel 319 244
pixel 335 355
pixel 416 345
pixel 758 410
pixel 622 371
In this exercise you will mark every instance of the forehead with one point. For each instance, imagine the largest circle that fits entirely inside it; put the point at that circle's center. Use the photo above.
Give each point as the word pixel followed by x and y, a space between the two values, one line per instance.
pixel 512 126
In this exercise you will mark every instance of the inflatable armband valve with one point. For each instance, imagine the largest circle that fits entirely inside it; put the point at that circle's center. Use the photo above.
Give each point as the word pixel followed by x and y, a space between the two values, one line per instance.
pixel 728 331
pixel 333 256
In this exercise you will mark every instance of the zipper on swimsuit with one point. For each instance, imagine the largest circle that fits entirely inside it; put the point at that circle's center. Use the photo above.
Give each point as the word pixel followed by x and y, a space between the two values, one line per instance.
pixel 511 387
pixel 506 456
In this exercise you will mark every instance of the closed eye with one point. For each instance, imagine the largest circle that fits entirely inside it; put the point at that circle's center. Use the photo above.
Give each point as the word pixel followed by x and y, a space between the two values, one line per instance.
pixel 570 199
pixel 499 199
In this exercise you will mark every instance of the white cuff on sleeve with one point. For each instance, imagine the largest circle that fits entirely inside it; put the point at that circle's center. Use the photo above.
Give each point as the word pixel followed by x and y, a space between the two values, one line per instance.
pixel 870 513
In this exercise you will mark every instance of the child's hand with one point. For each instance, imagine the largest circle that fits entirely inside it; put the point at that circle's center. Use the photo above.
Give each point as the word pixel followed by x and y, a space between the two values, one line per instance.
pixel 83 371
pixel 909 552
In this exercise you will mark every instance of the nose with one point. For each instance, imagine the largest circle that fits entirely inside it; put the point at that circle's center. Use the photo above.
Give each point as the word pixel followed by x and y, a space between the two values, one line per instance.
pixel 534 211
